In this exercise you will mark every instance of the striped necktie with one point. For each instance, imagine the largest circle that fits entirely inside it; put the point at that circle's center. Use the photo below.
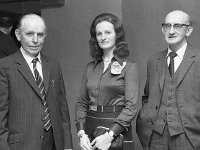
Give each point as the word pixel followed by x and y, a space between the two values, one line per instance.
pixel 40 84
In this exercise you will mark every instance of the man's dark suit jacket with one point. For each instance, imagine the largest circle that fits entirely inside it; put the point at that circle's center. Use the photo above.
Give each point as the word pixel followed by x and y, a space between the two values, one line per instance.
pixel 8 45
pixel 21 109
pixel 187 96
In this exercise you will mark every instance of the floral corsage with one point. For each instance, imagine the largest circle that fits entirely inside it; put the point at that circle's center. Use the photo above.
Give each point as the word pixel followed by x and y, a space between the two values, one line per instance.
pixel 116 68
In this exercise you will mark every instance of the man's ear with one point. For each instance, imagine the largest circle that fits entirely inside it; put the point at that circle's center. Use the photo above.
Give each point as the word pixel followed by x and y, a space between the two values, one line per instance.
pixel 189 31
pixel 17 34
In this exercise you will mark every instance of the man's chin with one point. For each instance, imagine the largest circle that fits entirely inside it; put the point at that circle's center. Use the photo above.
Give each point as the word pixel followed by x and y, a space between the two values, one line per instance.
pixel 34 53
pixel 171 42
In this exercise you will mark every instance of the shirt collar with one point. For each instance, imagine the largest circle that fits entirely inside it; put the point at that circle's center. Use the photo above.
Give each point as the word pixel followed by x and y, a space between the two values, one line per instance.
pixel 29 58
pixel 115 58
pixel 119 60
pixel 3 31
pixel 180 52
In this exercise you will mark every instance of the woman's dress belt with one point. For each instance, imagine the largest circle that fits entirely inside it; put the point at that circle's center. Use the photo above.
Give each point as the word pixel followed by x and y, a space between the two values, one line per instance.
pixel 102 108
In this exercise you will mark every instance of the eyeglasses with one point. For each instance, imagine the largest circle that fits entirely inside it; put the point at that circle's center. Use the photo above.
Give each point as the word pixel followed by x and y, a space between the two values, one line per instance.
pixel 176 26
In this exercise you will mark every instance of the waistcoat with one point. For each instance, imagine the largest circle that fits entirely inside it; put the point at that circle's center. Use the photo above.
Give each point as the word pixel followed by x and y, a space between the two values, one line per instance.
pixel 168 110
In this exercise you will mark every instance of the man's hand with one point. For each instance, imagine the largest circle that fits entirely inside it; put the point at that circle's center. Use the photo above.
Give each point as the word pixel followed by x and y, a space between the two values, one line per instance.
pixel 102 142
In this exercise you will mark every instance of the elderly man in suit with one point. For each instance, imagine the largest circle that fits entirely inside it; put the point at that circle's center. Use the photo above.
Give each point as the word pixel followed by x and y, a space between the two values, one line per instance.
pixel 170 115
pixel 8 45
pixel 33 107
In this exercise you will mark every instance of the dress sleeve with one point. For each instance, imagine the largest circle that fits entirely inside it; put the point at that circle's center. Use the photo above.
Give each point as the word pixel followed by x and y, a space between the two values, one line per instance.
pixel 131 97
pixel 82 105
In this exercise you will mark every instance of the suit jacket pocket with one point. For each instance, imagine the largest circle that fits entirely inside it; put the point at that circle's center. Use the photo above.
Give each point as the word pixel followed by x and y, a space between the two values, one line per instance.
pixel 15 138
pixel 144 112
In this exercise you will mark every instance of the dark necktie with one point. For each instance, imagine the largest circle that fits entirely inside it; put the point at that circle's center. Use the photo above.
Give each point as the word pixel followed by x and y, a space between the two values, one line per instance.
pixel 172 55
pixel 40 84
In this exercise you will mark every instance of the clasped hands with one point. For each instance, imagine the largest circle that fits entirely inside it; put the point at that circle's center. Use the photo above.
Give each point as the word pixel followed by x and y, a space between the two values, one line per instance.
pixel 101 142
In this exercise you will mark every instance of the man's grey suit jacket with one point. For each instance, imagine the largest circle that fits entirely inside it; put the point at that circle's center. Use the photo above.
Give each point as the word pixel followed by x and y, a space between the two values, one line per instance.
pixel 187 96
pixel 21 109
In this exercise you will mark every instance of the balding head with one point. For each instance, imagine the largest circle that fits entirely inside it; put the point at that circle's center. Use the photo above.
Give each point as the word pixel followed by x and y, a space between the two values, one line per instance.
pixel 176 29
pixel 178 16
pixel 31 33
pixel 31 18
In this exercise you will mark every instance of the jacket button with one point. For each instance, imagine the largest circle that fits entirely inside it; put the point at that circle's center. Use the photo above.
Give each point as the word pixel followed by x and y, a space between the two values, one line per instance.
pixel 151 122
pixel 41 136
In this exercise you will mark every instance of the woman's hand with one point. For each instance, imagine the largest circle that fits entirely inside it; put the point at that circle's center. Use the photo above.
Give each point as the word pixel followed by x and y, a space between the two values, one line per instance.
pixel 102 142
pixel 85 142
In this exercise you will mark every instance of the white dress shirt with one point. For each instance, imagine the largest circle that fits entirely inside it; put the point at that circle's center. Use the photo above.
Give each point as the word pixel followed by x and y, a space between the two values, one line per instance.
pixel 29 59
pixel 178 59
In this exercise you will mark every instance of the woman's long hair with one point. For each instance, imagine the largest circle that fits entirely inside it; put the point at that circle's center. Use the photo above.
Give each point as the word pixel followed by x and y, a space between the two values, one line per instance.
pixel 121 49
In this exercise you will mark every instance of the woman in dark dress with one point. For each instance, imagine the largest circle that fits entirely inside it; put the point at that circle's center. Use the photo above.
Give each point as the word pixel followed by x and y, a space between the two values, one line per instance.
pixel 110 87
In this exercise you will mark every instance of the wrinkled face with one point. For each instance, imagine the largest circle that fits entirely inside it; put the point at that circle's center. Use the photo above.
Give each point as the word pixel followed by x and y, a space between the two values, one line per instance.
pixel 105 35
pixel 176 29
pixel 31 35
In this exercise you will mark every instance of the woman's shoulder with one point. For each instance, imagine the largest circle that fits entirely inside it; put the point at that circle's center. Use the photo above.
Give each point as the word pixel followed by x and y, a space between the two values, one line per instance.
pixel 91 63
pixel 131 67
pixel 131 64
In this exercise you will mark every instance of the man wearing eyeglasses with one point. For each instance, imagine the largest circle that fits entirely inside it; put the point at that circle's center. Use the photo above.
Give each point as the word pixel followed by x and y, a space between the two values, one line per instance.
pixel 170 115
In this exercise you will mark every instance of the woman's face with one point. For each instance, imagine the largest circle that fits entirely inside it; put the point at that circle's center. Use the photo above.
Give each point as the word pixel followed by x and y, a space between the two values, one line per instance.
pixel 105 35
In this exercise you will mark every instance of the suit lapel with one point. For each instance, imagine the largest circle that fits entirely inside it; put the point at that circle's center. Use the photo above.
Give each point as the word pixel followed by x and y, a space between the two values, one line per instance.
pixel 46 68
pixel 161 63
pixel 24 69
pixel 187 61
